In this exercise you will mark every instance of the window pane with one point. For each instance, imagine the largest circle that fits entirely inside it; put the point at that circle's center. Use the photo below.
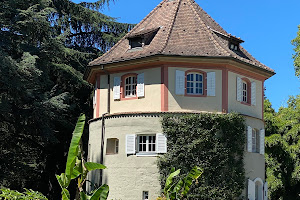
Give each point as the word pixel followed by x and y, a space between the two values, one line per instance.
pixel 201 77
pixel 189 77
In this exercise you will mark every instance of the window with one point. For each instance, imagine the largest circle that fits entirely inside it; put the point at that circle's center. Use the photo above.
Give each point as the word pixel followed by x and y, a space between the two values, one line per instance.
pixel 136 42
pixel 144 145
pixel 130 86
pixel 112 146
pixel 245 92
pixel 194 84
pixel 256 189
pixel 140 39
pixel 147 143
pixel 233 47
pixel 145 195
pixel 255 141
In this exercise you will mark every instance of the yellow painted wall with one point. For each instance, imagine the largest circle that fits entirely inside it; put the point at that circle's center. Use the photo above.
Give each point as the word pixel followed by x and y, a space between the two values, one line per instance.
pixel 150 103
pixel 185 103
pixel 234 105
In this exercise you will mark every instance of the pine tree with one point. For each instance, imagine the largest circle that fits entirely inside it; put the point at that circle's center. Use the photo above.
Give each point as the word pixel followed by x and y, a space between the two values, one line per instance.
pixel 45 46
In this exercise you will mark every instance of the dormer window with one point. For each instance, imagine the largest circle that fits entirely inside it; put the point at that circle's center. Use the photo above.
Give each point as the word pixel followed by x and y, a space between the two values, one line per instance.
pixel 141 38
pixel 136 42
pixel 233 47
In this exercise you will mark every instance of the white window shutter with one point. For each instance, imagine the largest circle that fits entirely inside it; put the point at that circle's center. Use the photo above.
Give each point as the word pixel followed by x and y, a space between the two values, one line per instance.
pixel 95 98
pixel 211 84
pixel 117 83
pixel 249 139
pixel 239 86
pixel 95 95
pixel 253 93
pixel 130 144
pixel 266 191
pixel 180 82
pixel 161 143
pixel 262 142
pixel 140 85
pixel 251 190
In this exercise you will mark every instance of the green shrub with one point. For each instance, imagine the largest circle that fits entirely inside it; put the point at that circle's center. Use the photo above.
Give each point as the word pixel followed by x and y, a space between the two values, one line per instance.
pixel 214 142
pixel 8 194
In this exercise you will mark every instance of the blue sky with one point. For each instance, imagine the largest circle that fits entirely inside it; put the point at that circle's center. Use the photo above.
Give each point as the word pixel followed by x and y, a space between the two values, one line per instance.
pixel 266 26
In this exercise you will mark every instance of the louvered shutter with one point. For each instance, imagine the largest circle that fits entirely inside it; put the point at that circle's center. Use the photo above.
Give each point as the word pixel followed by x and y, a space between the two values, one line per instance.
pixel 239 86
pixel 266 191
pixel 249 139
pixel 253 93
pixel 95 98
pixel 130 144
pixel 211 84
pixel 161 143
pixel 262 142
pixel 140 85
pixel 117 83
pixel 180 82
pixel 251 190
pixel 95 95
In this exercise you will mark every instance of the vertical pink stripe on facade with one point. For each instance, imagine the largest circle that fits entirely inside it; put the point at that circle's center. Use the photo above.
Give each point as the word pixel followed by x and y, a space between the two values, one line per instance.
pixel 164 89
pixel 225 90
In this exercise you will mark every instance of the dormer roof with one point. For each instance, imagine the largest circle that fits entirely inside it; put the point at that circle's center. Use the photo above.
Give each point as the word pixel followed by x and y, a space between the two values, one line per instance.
pixel 179 28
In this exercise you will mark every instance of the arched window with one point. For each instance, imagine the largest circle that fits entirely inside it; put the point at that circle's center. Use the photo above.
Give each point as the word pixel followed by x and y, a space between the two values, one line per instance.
pixel 258 189
pixel 194 83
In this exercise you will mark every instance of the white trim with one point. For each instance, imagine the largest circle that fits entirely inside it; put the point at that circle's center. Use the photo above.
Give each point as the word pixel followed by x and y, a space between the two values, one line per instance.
pixel 211 84
pixel 266 191
pixel 180 82
pixel 130 144
pixel 117 88
pixel 262 142
pixel 239 86
pixel 249 139
pixel 140 88
pixel 253 93
pixel 251 190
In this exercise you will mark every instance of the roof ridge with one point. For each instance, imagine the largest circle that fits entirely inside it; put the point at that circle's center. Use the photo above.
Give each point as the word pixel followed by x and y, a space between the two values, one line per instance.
pixel 172 26
pixel 124 37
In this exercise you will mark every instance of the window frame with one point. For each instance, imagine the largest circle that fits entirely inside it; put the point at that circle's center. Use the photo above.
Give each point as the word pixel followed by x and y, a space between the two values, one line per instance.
pixel 123 86
pixel 147 144
pixel 116 147
pixel 248 98
pixel 204 83
pixel 255 140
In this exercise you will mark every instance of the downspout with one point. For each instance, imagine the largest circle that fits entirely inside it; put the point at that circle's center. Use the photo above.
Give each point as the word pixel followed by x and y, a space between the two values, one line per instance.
pixel 103 123
pixel 102 145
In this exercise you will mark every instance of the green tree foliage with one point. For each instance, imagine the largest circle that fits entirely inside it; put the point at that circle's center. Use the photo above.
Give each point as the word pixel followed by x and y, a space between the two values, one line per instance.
pixel 178 190
pixel 77 168
pixel 283 150
pixel 213 142
pixel 296 56
pixel 45 46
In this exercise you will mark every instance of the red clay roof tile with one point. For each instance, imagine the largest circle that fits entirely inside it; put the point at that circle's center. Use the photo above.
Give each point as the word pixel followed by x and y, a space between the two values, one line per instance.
pixel 183 28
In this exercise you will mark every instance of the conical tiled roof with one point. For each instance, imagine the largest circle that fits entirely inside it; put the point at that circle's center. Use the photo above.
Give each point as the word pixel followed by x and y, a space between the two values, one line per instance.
pixel 183 29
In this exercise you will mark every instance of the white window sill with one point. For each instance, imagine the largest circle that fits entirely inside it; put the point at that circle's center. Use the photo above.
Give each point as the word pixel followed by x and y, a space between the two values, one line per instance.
pixel 146 154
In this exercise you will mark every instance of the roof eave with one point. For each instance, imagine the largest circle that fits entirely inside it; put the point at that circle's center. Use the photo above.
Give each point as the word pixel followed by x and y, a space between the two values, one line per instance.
pixel 88 70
